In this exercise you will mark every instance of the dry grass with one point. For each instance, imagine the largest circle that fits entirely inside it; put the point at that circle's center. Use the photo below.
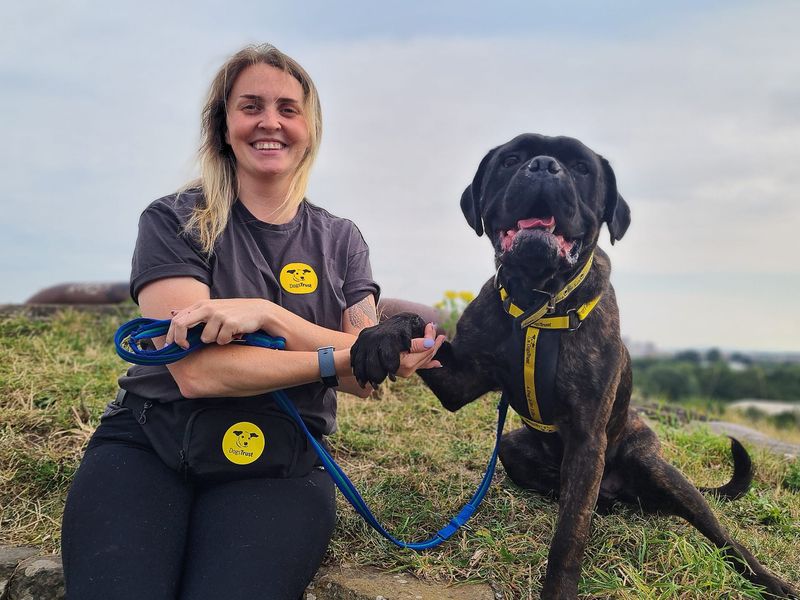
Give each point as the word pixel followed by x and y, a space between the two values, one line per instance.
pixel 415 463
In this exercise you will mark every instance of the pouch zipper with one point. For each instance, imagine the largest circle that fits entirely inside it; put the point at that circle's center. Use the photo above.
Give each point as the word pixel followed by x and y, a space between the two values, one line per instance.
pixel 187 435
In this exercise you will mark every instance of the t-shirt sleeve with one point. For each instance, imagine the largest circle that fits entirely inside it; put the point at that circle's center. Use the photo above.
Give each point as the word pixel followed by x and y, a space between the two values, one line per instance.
pixel 358 282
pixel 163 250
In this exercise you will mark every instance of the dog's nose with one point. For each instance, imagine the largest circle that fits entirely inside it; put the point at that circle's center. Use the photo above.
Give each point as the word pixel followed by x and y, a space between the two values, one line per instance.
pixel 540 163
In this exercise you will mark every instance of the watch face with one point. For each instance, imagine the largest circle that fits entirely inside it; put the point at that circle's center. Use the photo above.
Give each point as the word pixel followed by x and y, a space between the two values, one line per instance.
pixel 327 368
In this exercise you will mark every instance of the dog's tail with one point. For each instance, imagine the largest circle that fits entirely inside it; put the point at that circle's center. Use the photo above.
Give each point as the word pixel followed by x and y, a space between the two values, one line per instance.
pixel 742 475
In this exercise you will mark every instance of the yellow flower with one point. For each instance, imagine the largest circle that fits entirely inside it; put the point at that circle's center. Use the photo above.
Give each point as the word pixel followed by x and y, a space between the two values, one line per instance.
pixel 466 296
pixel 450 295
pixel 439 305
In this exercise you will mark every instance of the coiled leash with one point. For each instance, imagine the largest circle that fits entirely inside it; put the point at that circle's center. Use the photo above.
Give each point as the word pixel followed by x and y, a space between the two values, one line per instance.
pixel 134 332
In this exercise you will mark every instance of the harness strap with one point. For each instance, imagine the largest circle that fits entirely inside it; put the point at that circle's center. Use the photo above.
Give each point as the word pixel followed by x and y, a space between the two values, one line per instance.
pixel 527 318
pixel 529 369
pixel 533 322
pixel 131 333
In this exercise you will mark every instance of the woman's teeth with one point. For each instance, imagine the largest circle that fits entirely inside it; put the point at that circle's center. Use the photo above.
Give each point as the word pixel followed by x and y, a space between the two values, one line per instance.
pixel 268 145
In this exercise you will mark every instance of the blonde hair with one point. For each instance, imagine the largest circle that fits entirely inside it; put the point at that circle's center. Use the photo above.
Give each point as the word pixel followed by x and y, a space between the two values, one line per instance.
pixel 218 164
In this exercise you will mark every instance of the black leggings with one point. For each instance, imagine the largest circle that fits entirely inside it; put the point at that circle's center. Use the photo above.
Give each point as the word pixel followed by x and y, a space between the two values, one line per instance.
pixel 133 529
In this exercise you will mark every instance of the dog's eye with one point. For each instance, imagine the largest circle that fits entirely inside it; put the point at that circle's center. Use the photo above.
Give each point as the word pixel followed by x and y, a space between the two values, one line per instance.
pixel 582 168
pixel 510 161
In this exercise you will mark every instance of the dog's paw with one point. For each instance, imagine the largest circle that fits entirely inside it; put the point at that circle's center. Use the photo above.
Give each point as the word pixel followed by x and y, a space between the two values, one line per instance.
pixel 775 586
pixel 376 353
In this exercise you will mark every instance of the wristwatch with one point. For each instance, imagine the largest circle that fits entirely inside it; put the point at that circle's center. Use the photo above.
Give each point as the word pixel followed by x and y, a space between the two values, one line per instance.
pixel 327 368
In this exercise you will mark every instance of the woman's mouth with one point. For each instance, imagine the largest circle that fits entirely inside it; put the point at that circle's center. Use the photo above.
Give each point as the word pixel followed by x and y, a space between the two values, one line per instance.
pixel 270 145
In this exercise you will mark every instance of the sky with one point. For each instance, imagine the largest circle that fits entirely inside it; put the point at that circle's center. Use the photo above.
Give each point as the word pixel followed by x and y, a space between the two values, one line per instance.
pixel 695 104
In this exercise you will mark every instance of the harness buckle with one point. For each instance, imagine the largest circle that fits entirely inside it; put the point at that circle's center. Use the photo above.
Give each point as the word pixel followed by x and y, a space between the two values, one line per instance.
pixel 551 301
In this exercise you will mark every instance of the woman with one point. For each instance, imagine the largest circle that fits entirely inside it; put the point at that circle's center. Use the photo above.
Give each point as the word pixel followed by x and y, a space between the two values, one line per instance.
pixel 241 251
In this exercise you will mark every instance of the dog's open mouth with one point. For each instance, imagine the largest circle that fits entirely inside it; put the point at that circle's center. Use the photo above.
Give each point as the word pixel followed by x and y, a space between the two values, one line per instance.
pixel 568 249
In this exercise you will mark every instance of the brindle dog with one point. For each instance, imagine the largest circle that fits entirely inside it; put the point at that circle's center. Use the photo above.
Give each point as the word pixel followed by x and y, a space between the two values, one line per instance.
pixel 542 201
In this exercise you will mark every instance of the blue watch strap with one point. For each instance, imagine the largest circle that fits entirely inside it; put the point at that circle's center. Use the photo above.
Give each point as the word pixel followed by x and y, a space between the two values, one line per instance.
pixel 327 368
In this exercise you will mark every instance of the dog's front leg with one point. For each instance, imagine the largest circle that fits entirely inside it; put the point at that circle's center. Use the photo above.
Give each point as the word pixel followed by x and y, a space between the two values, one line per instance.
pixel 462 378
pixel 581 473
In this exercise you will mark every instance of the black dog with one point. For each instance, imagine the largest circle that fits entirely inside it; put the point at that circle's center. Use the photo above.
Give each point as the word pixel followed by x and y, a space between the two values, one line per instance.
pixel 545 331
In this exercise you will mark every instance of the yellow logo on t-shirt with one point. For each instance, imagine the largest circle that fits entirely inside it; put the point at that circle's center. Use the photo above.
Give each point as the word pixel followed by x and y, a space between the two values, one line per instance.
pixel 243 443
pixel 298 278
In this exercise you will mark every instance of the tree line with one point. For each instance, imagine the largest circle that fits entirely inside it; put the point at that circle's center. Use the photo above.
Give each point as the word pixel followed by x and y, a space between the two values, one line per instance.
pixel 690 374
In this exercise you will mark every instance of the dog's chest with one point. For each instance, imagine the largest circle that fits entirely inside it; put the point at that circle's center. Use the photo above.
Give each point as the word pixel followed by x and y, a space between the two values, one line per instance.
pixel 530 387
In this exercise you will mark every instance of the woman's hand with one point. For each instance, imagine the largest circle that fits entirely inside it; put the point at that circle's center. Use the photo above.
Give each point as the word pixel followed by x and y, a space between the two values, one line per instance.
pixel 422 352
pixel 225 319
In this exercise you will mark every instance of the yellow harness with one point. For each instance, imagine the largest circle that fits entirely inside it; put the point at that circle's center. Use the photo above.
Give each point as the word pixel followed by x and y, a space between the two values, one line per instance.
pixel 532 322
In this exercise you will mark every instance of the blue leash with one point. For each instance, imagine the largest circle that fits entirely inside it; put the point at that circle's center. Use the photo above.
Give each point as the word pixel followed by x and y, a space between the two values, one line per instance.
pixel 140 329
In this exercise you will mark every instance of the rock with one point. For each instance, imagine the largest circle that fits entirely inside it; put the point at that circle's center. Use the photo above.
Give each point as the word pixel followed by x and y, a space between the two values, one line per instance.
pixel 37 578
pixel 10 557
pixel 338 583
pixel 31 577
pixel 82 293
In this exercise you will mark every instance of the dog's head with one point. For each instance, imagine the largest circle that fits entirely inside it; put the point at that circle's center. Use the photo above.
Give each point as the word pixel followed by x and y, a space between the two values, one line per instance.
pixel 299 274
pixel 243 438
pixel 542 201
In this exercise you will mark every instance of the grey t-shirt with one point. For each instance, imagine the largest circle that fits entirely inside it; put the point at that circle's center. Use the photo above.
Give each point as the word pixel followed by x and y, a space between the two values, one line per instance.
pixel 316 266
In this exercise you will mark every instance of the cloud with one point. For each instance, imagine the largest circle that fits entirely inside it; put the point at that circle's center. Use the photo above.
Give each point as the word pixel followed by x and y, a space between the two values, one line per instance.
pixel 695 110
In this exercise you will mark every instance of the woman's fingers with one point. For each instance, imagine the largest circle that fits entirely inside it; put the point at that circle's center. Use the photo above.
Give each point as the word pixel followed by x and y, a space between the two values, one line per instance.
pixel 420 359
pixel 183 321
pixel 225 320
pixel 427 342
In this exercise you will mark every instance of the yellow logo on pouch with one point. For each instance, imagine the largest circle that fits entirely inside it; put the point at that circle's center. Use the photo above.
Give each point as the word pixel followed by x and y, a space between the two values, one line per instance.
pixel 243 443
pixel 298 278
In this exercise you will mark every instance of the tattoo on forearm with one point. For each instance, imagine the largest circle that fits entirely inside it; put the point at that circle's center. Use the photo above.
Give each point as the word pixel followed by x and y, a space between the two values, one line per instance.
pixel 362 314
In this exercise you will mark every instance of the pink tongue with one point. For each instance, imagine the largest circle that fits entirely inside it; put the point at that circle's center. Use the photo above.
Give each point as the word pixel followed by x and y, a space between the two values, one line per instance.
pixel 507 238
pixel 536 222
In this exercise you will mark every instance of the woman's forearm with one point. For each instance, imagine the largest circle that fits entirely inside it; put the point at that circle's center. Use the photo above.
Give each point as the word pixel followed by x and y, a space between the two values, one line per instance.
pixel 299 333
pixel 234 370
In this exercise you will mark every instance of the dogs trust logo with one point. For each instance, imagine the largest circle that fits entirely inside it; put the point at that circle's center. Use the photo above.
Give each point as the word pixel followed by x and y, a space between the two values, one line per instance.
pixel 298 278
pixel 243 443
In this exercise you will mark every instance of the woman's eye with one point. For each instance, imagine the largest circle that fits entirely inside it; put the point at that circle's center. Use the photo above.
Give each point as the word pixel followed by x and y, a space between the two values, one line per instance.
pixel 250 108
pixel 510 161
pixel 582 168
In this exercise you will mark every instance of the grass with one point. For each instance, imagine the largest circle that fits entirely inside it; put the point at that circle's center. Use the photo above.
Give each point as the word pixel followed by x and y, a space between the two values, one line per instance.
pixel 416 464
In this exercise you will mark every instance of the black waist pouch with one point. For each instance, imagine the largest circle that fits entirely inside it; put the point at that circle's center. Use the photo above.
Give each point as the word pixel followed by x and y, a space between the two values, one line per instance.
pixel 215 441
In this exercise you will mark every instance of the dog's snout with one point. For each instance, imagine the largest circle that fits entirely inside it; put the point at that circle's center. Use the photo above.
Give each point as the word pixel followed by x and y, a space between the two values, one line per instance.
pixel 542 163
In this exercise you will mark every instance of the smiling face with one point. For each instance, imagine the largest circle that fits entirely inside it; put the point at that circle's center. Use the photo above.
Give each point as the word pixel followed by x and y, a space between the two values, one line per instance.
pixel 542 201
pixel 266 127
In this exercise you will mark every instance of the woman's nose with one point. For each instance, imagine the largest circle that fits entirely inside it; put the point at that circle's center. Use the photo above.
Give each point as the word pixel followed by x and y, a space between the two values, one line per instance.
pixel 270 120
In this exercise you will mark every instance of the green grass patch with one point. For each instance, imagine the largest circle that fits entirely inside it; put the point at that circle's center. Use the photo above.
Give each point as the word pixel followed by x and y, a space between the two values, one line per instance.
pixel 416 464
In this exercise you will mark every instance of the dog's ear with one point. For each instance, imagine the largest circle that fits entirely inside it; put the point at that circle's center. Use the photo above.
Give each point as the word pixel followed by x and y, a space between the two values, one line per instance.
pixel 472 198
pixel 238 433
pixel 617 212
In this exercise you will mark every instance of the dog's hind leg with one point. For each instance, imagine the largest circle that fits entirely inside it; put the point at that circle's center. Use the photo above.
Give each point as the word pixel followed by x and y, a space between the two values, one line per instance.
pixel 658 486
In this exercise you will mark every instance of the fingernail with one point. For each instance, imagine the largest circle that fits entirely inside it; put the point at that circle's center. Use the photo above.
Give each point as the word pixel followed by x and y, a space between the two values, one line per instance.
pixel 428 343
